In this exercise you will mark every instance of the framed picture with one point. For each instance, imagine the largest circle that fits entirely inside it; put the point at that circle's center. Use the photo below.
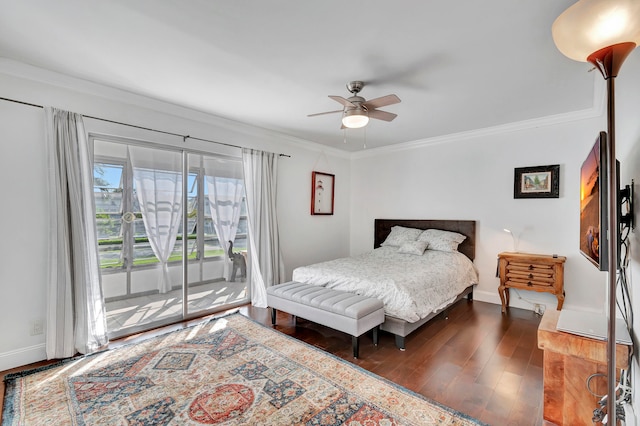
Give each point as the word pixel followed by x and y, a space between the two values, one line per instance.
pixel 322 185
pixel 537 182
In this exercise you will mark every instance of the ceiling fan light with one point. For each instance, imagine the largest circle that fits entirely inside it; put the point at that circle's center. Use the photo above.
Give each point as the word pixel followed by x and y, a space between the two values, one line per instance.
pixel 591 25
pixel 355 118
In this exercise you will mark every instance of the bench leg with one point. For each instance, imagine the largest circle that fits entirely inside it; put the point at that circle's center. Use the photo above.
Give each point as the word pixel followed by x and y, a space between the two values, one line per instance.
pixel 375 335
pixel 273 316
pixel 400 342
pixel 355 342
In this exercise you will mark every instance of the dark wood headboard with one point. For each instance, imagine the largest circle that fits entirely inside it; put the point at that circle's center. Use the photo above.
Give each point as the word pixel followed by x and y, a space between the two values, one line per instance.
pixel 464 227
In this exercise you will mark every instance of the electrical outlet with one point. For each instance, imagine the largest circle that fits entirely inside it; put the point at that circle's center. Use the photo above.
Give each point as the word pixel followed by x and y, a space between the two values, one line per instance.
pixel 37 327
pixel 538 309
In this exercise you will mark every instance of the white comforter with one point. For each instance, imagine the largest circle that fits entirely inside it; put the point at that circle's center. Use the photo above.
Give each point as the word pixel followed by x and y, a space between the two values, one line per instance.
pixel 410 286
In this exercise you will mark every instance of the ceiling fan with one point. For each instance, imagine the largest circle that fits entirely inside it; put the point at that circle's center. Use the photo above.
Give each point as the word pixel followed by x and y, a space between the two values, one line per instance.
pixel 357 110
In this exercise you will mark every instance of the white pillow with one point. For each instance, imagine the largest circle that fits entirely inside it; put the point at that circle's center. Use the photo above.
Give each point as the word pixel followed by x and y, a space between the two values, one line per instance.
pixel 413 247
pixel 400 235
pixel 441 240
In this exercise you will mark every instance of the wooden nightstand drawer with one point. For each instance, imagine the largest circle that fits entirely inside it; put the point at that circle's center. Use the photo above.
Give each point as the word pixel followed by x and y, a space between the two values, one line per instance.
pixel 524 283
pixel 529 275
pixel 530 268
pixel 535 272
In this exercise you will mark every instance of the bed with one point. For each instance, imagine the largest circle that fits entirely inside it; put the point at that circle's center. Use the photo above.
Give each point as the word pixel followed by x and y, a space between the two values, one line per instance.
pixel 414 287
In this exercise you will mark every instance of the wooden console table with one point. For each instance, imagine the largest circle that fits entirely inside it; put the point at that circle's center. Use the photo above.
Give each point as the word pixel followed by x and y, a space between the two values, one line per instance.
pixel 537 272
pixel 569 360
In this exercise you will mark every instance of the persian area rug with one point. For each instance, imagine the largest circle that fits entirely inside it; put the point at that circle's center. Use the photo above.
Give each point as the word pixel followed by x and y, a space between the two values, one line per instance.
pixel 230 370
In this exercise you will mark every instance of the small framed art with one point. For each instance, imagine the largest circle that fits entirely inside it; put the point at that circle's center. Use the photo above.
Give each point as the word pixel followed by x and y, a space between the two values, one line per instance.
pixel 537 182
pixel 322 186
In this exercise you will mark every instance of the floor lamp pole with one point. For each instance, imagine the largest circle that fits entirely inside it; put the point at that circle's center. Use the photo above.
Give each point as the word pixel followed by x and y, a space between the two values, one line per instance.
pixel 608 61
pixel 612 242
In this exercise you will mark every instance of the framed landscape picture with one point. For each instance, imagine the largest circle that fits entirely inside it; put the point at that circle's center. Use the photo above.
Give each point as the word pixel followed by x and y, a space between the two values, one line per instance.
pixel 322 186
pixel 537 182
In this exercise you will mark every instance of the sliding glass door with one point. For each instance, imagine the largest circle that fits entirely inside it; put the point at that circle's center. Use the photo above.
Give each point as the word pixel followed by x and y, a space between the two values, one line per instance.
pixel 164 222
pixel 218 226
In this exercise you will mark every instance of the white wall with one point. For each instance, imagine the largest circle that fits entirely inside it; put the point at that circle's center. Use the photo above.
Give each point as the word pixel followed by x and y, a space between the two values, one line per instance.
pixel 23 256
pixel 471 176
pixel 23 226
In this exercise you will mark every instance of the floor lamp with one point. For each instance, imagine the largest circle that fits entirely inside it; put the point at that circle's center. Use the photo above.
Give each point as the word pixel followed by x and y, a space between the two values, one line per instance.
pixel 603 32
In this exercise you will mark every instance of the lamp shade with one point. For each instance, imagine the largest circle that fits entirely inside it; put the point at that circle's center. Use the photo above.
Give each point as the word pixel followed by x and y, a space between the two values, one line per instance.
pixel 355 118
pixel 591 25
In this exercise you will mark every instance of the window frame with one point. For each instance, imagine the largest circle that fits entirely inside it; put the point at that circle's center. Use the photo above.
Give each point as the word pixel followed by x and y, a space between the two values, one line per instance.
pixel 127 230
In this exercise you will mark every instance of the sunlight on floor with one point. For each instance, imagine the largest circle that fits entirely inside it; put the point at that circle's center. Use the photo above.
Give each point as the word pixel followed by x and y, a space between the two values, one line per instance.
pixel 144 309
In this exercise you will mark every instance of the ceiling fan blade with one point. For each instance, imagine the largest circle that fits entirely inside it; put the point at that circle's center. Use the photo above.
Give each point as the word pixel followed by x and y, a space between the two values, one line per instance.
pixel 323 113
pixel 382 115
pixel 342 101
pixel 382 101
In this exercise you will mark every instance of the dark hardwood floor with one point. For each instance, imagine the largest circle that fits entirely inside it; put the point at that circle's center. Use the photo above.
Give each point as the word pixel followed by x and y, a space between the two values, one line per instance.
pixel 476 361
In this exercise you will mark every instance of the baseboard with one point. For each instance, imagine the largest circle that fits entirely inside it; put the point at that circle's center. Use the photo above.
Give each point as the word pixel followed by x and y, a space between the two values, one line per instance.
pixel 22 356
pixel 493 297
pixel 524 300
pixel 486 296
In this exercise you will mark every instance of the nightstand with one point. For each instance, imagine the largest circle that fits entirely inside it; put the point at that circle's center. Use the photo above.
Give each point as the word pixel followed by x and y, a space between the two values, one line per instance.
pixel 526 271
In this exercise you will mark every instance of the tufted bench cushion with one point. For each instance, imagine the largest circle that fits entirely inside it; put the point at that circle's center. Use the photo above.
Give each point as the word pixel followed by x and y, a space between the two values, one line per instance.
pixel 340 310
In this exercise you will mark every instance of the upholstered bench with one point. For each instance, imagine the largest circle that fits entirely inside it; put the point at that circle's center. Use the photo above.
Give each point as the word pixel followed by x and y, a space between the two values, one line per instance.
pixel 340 310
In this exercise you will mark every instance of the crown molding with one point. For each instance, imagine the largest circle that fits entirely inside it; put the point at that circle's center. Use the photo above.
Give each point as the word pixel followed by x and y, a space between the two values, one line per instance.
pixel 597 110
pixel 29 72
pixel 41 75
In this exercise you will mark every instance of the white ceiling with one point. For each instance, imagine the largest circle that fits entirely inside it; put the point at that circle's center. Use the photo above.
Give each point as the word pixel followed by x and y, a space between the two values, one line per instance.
pixel 456 65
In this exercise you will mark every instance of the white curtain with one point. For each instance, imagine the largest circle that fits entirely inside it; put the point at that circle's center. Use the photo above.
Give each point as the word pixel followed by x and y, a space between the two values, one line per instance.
pixel 225 189
pixel 159 193
pixel 76 320
pixel 266 265
pixel 225 200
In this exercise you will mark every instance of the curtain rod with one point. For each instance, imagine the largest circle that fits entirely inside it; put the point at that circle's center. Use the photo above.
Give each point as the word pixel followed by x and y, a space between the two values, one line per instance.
pixel 184 137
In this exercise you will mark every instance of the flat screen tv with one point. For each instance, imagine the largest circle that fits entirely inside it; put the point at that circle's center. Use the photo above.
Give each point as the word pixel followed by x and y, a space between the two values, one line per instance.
pixel 593 204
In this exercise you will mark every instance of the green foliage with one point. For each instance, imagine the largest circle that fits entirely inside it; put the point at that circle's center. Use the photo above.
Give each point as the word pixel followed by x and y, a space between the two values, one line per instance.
pixel 117 263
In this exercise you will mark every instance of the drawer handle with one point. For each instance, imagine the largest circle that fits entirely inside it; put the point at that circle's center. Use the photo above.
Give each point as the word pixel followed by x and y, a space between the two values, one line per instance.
pixel 529 283
pixel 530 267
pixel 530 275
